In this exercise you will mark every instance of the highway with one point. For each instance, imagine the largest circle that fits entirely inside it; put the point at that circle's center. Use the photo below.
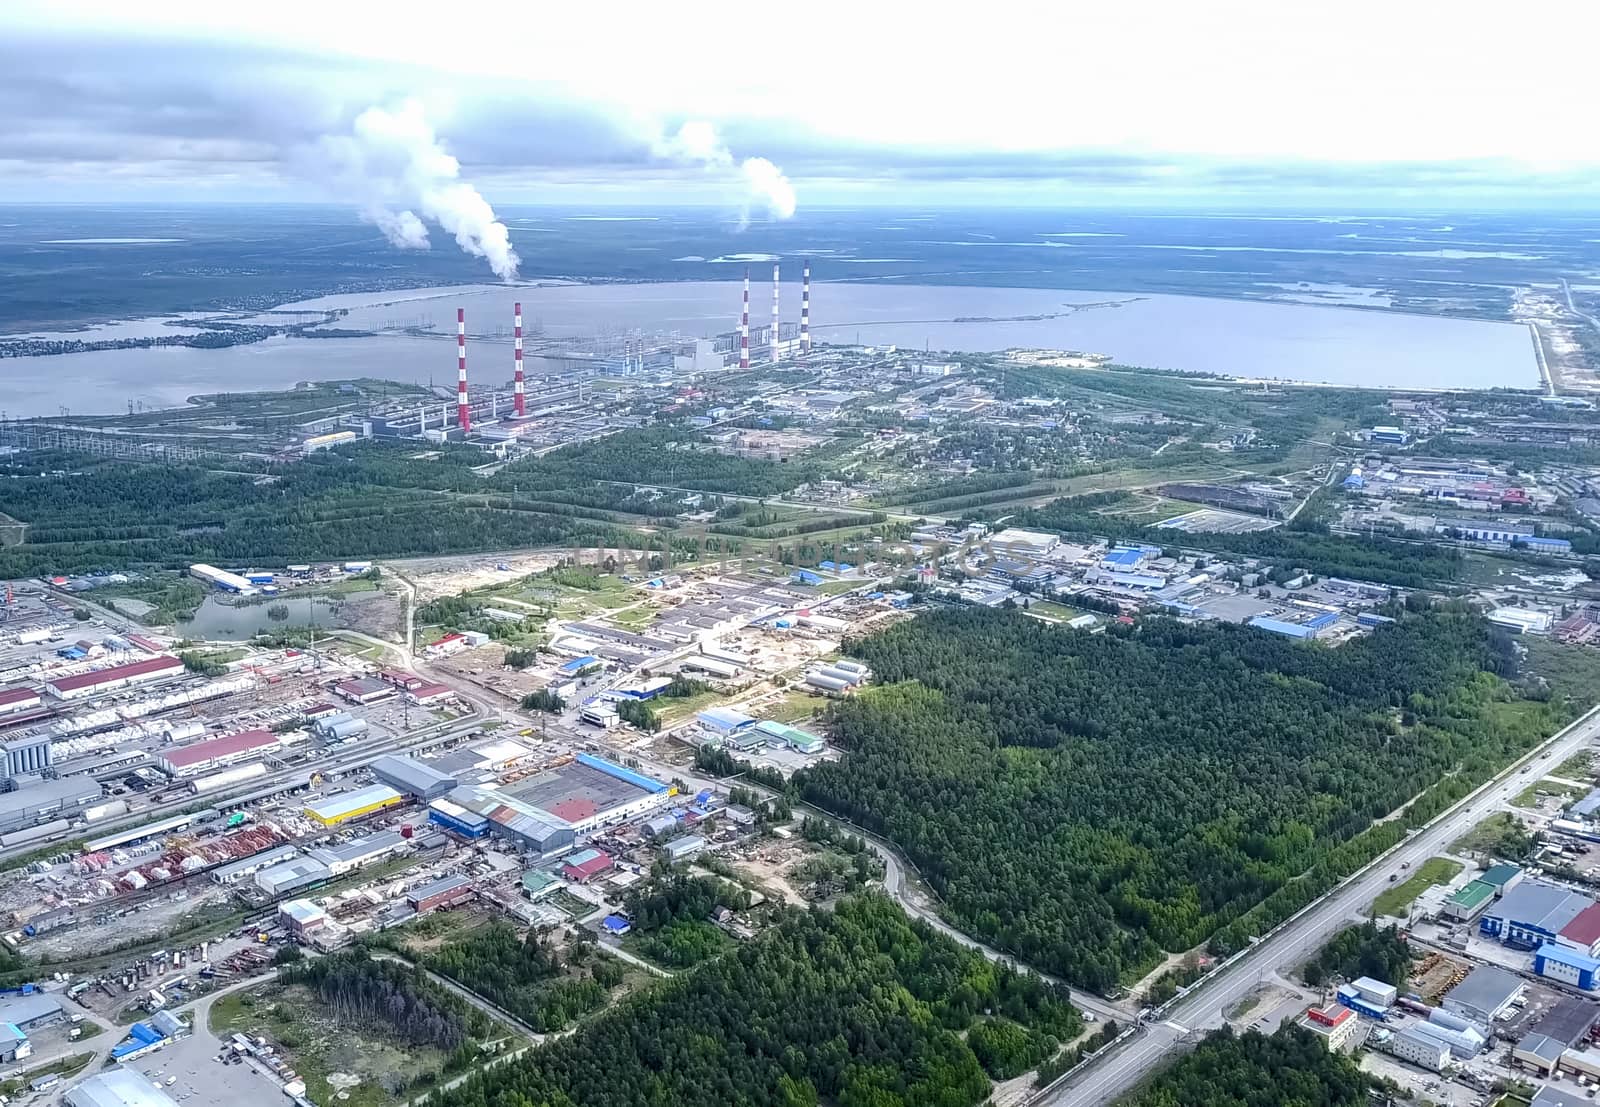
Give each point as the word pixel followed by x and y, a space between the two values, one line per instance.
pixel 1118 1070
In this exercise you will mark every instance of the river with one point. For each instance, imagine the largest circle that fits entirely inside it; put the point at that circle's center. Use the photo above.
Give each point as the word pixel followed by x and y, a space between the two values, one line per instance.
pixel 1262 341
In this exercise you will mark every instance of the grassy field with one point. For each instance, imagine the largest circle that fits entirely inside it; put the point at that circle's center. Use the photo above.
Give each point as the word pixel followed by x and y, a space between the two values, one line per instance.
pixel 1055 610
pixel 795 708
pixel 1529 796
pixel 1395 900
pixel 1576 767
pixel 1573 671
pixel 675 709
pixel 321 1047
pixel 1490 835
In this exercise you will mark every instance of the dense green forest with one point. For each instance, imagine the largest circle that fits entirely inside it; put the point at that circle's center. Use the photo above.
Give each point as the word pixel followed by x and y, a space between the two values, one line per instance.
pixel 371 499
pixel 1290 1069
pixel 387 995
pixel 525 976
pixel 1088 801
pixel 1300 545
pixel 861 1007
pixel 1365 950
pixel 671 917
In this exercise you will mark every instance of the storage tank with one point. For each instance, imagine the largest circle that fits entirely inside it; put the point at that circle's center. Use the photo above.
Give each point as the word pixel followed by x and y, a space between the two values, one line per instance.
pixel 105 810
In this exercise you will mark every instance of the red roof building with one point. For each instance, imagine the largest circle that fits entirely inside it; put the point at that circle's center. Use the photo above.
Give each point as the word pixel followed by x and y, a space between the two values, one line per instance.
pixel 425 694
pixel 1583 932
pixel 585 866
pixel 18 699
pixel 102 681
pixel 399 679
pixel 216 752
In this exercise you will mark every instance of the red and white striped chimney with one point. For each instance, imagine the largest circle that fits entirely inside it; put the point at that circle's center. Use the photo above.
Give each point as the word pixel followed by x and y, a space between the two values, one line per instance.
pixel 774 313
pixel 463 416
pixel 805 308
pixel 744 324
pixel 517 383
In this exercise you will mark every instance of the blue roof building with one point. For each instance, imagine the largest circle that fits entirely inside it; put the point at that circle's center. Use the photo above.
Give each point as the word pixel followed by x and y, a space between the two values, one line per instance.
pixel 615 924
pixel 1278 626
pixel 578 665
pixel 1546 545
pixel 1566 965
pixel 1123 559
pixel 805 576
pixel 725 720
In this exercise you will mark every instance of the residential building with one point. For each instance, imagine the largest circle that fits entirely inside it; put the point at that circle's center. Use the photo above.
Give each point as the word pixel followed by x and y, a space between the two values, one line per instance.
pixel 1420 1049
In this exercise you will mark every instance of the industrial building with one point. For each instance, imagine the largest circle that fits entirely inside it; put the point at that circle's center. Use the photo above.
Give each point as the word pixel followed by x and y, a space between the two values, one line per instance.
pixel 1015 542
pixel 365 690
pixel 1538 1053
pixel 238 870
pixel 291 876
pixel 215 753
pixel 796 739
pixel 457 819
pixel 681 849
pixel 29 1012
pixel 27 755
pixel 103 681
pixel 584 866
pixel 1419 1049
pixel 547 811
pixel 347 857
pixel 441 893
pixel 1463 1038
pixel 822 682
pixel 1532 913
pixel 429 695
pixel 353 805
pixel 1468 902
pixel 300 917
pixel 18 699
pixel 1555 1097
pixel 117 1087
pixel 1567 965
pixel 45 800
pixel 221 578
pixel 1521 620
pixel 1485 992
pixel 341 726
pixel 413 777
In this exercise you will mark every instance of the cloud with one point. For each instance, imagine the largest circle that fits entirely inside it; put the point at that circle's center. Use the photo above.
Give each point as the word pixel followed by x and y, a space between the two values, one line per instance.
pixel 697 142
pixel 392 160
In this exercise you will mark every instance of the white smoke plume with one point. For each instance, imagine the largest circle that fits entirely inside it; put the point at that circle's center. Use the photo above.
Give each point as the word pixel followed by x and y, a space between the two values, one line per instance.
pixel 393 162
pixel 762 182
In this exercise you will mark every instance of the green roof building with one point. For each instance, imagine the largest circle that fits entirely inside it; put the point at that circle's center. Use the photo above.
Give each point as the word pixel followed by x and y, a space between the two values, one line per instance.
pixel 793 737
pixel 1469 902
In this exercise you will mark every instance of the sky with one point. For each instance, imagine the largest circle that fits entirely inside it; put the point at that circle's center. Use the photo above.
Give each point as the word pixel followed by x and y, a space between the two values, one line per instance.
pixel 1240 102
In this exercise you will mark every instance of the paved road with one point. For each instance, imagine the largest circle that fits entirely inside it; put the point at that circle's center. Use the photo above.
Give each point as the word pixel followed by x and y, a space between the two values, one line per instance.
pixel 1120 1069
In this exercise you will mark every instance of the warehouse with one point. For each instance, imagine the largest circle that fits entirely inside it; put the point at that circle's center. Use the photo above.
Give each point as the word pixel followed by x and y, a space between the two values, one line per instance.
pixel 45 800
pixel 429 695
pixel 350 856
pixel 1521 620
pixel 291 876
pixel 1280 626
pixel 681 849
pixel 365 690
pixel 1464 1038
pixel 1486 991
pixel 221 578
pixel 29 1012
pixel 1531 913
pixel 104 681
pixel 1566 965
pixel 584 866
pixel 300 917
pixel 1016 542
pixel 832 686
pixel 354 805
pixel 441 893
pixel 793 737
pixel 117 1088
pixel 238 870
pixel 1538 1053
pixel 1582 934
pixel 457 819
pixel 216 753
pixel 402 680
pixel 341 726
pixel 711 666
pixel 18 699
pixel 412 777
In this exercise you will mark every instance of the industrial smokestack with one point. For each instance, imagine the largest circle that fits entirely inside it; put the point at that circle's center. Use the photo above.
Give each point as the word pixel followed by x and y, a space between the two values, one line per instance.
pixel 805 308
pixel 463 416
pixel 517 384
pixel 774 313
pixel 744 324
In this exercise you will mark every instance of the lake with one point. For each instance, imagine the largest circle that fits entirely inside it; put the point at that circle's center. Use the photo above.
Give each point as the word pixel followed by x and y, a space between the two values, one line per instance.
pixel 1315 343
pixel 221 621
